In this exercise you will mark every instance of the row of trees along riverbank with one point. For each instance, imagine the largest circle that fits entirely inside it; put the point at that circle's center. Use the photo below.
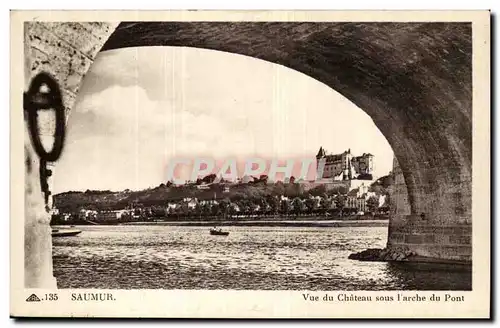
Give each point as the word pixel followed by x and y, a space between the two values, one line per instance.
pixel 258 199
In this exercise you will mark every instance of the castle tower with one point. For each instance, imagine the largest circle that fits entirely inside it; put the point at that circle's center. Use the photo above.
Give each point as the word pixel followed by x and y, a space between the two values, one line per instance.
pixel 369 163
pixel 349 167
pixel 321 153
pixel 345 174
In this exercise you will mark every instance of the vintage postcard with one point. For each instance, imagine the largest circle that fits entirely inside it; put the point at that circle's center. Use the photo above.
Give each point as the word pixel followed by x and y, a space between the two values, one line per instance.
pixel 250 164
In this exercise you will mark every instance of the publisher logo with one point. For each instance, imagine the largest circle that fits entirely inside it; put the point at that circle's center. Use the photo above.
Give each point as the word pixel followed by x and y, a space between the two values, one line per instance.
pixel 33 298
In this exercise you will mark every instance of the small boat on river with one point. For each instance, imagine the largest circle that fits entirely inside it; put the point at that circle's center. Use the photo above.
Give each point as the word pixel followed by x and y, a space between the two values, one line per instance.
pixel 218 232
pixel 65 232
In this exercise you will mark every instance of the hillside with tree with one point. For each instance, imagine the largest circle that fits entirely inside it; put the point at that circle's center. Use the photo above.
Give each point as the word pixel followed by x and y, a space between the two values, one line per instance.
pixel 207 197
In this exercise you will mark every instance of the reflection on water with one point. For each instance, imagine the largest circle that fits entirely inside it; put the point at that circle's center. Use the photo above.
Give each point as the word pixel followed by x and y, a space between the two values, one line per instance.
pixel 151 257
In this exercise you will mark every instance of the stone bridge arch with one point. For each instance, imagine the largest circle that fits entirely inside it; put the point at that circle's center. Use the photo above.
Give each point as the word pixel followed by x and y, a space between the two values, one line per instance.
pixel 413 79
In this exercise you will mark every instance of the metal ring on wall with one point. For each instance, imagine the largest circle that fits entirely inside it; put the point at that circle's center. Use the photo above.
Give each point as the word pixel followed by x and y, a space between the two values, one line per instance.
pixel 35 100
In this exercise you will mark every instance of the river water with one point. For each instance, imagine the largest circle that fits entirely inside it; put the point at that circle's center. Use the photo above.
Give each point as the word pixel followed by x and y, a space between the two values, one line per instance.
pixel 258 258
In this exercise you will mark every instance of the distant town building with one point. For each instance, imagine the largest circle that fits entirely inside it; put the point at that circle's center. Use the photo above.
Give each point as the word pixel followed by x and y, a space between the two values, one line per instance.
pixel 85 214
pixel 208 202
pixel 359 203
pixel 342 186
pixel 203 186
pixel 191 202
pixel 54 211
pixel 344 166
pixel 108 215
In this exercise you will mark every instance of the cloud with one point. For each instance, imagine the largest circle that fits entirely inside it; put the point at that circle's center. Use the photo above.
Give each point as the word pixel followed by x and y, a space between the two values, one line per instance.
pixel 123 106
pixel 119 138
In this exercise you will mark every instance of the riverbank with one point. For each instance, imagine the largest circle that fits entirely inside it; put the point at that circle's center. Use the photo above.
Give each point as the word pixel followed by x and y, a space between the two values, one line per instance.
pixel 270 223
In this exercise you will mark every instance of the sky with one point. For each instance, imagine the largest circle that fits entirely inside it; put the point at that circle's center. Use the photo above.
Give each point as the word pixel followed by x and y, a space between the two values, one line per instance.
pixel 140 108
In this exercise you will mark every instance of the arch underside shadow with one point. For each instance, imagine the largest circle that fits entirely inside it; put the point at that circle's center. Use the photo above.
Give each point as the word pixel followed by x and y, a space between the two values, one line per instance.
pixel 413 79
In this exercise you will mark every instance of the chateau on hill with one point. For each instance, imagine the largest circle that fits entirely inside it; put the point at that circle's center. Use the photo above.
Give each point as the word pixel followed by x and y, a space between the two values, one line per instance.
pixel 344 173
pixel 344 166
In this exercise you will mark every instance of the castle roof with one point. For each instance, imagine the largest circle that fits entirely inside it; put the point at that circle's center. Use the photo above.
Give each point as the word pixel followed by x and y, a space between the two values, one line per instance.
pixel 321 152
pixel 334 157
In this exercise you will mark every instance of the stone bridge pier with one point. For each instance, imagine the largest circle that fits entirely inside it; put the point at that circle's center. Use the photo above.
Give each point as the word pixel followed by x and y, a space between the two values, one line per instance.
pixel 413 79
pixel 442 235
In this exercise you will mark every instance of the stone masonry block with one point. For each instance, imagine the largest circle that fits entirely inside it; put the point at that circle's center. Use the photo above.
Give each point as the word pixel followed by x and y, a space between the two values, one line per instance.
pixel 414 239
pixel 461 240
pixel 66 51
pixel 78 36
pixel 397 238
pixel 429 238
pixel 66 63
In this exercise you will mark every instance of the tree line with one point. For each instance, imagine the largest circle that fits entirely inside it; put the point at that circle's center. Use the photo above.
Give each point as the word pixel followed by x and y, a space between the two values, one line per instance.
pixel 257 198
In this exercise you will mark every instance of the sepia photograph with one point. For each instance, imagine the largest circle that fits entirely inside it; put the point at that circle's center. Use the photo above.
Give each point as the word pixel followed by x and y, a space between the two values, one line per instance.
pixel 329 158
